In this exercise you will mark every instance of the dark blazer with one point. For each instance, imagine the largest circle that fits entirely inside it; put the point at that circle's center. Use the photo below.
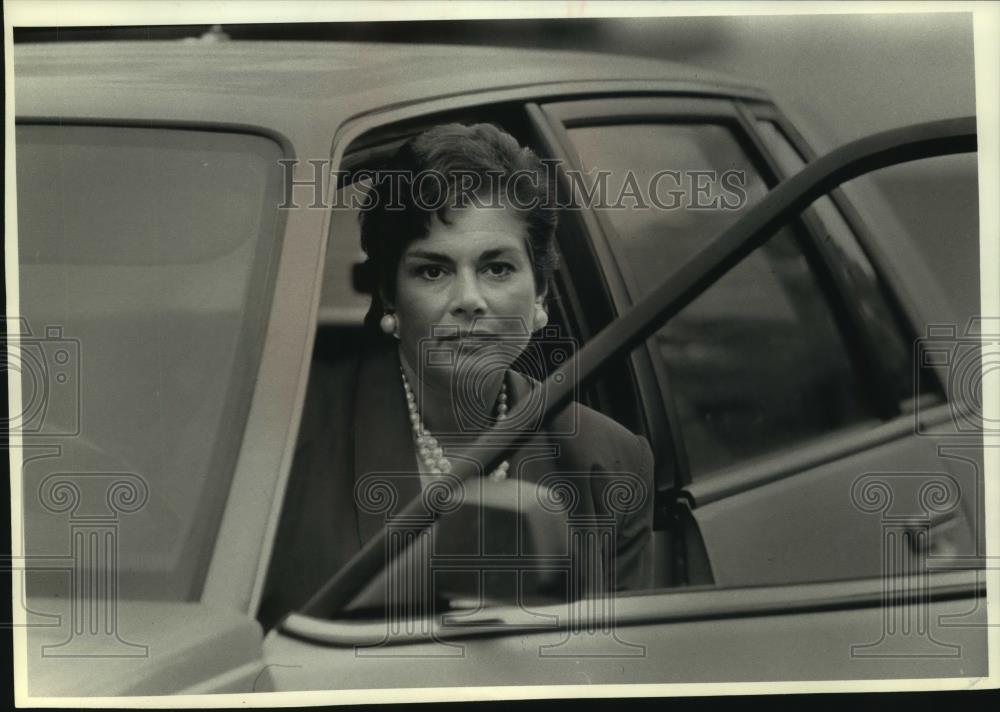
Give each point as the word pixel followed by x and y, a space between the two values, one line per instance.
pixel 355 422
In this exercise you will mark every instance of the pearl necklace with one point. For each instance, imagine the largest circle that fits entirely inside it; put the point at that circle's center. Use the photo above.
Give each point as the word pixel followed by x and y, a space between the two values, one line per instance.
pixel 429 451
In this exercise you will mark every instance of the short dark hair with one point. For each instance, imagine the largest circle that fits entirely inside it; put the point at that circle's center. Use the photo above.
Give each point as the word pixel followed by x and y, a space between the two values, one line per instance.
pixel 401 201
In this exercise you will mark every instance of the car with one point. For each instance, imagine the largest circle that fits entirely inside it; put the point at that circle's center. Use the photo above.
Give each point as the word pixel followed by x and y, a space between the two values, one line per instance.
pixel 187 250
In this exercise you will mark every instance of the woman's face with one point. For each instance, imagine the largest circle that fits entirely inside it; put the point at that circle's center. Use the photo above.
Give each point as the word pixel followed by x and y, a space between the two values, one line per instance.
pixel 465 287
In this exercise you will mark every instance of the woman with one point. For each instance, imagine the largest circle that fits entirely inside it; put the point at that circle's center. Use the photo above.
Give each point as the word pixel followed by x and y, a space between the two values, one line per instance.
pixel 459 231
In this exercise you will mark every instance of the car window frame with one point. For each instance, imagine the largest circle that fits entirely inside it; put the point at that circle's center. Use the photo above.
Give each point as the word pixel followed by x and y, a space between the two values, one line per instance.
pixel 889 299
pixel 644 609
pixel 236 555
pixel 729 113
pixel 895 423
pixel 950 136
pixel 379 141
pixel 908 306
pixel 554 118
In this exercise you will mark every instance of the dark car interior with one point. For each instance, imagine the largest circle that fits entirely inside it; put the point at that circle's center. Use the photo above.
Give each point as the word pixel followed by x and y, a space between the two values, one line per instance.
pixel 340 335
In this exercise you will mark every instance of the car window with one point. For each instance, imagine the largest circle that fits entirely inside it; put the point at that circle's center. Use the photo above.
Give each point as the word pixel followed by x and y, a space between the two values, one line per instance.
pixel 146 257
pixel 748 360
pixel 858 275
pixel 801 512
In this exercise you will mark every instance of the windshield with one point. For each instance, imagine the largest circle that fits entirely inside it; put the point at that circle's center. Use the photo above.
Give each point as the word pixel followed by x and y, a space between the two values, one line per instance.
pixel 146 256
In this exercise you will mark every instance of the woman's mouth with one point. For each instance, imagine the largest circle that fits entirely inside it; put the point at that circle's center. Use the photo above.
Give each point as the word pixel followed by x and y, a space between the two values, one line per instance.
pixel 482 330
pixel 444 334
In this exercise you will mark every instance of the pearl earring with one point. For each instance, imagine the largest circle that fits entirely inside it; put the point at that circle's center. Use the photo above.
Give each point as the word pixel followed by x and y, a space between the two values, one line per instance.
pixel 541 317
pixel 389 325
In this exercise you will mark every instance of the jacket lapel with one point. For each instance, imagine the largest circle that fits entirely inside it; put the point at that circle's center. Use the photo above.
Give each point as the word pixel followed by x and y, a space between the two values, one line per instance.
pixel 537 457
pixel 547 453
pixel 383 440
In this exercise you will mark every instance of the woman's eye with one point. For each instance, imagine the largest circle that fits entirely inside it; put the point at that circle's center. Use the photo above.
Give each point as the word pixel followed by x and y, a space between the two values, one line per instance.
pixel 499 269
pixel 431 272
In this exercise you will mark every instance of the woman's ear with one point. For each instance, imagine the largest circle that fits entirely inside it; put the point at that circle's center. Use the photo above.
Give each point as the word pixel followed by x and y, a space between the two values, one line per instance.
pixel 383 298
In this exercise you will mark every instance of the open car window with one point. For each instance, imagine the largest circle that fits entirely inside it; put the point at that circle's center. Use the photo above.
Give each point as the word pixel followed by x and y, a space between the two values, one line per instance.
pixel 747 360
pixel 681 288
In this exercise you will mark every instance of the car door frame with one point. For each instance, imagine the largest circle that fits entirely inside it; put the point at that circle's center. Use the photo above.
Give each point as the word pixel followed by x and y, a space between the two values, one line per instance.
pixel 654 608
pixel 731 113
pixel 900 270
pixel 739 115
pixel 239 565
pixel 696 275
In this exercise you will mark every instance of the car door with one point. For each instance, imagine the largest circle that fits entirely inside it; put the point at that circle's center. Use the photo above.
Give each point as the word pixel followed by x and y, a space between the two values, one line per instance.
pixel 788 384
pixel 820 630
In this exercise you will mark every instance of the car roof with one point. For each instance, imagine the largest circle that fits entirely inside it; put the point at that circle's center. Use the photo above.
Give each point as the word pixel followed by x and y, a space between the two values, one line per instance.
pixel 255 83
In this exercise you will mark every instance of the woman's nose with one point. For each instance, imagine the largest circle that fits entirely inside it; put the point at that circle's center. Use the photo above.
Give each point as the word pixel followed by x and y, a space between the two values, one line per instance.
pixel 468 298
